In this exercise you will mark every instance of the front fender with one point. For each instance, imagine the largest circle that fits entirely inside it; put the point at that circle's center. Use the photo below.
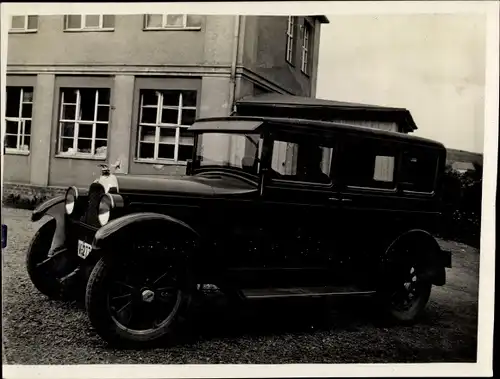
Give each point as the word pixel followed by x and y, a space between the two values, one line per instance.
pixel 436 259
pixel 54 208
pixel 51 207
pixel 125 225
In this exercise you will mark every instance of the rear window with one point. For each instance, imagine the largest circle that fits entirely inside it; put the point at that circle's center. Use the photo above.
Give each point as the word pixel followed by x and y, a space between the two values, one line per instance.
pixel 418 170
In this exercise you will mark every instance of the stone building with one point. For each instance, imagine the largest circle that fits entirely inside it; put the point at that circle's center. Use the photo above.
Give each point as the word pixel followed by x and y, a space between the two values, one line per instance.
pixel 88 89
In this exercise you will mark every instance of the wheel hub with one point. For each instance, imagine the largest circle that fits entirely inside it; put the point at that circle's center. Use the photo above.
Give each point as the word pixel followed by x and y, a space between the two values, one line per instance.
pixel 147 295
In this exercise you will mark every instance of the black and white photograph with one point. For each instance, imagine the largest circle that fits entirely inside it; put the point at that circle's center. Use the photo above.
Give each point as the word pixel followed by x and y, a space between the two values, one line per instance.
pixel 257 189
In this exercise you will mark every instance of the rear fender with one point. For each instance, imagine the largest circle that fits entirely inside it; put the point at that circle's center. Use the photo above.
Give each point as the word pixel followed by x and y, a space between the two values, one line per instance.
pixel 53 208
pixel 155 224
pixel 429 252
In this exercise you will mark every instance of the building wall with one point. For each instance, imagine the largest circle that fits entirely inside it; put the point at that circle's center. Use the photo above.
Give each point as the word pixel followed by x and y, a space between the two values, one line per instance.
pixel 127 60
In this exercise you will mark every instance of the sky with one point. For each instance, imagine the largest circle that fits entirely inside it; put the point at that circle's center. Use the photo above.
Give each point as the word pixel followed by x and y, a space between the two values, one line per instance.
pixel 433 65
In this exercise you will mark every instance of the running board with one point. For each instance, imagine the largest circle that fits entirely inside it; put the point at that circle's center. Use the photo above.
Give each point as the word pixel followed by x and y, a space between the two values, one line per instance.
pixel 269 293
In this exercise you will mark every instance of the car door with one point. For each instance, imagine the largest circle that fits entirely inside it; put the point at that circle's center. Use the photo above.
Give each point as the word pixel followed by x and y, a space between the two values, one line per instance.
pixel 299 212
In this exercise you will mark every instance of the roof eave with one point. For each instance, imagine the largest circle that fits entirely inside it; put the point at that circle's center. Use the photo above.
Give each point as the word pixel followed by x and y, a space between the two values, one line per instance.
pixel 323 19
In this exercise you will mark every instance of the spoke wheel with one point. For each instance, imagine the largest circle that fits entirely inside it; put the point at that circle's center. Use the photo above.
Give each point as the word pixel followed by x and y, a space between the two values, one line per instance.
pixel 408 294
pixel 136 300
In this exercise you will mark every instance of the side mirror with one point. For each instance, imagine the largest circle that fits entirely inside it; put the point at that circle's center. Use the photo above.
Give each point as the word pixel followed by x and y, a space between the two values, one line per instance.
pixel 189 167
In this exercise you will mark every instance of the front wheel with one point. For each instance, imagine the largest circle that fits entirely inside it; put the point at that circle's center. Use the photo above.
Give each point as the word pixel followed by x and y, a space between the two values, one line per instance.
pixel 136 301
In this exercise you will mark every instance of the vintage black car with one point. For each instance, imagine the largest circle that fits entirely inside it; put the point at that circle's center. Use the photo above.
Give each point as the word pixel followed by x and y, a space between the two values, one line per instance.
pixel 269 208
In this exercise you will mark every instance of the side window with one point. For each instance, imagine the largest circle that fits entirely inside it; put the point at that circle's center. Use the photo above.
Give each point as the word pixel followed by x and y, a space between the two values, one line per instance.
pixel 418 171
pixel 368 164
pixel 301 161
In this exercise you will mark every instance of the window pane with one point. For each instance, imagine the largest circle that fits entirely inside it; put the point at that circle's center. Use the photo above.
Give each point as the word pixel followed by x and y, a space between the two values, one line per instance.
pixel 27 110
pixel 85 130
pixel 186 137
pixel 108 21
pixel 87 104
pixel 11 127
pixel 167 135
pixel 149 97
pixel 104 94
pixel 189 98
pixel 147 133
pixel 170 116
pixel 101 131
pixel 154 21
pixel 27 127
pixel 11 141
pixel 146 150
pixel 26 145
pixel 69 95
pixel 67 129
pixel 305 162
pixel 149 115
pixel 100 148
pixel 194 21
pixel 188 116
pixel 84 146
pixel 13 99
pixel 92 21
pixel 171 98
pixel 74 21
pixel 185 152
pixel 69 112
pixel 32 22
pixel 384 169
pixel 103 113
pixel 175 20
pixel 18 22
pixel 66 145
pixel 28 95
pixel 166 151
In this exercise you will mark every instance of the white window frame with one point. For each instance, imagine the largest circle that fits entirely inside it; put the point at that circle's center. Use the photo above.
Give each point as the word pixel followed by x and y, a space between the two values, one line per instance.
pixel 24 29
pixel 21 124
pixel 159 125
pixel 83 27
pixel 78 122
pixel 290 39
pixel 304 66
pixel 164 24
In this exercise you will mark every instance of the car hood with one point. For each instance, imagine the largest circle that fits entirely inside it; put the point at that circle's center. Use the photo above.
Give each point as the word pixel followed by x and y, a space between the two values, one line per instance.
pixel 186 185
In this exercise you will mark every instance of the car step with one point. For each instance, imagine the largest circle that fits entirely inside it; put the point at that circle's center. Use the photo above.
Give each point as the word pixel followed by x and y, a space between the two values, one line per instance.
pixel 267 293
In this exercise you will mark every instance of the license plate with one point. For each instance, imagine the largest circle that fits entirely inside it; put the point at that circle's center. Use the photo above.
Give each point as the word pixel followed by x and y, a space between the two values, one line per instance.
pixel 84 249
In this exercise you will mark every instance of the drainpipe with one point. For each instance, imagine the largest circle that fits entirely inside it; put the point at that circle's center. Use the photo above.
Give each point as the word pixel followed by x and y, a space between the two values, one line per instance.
pixel 234 62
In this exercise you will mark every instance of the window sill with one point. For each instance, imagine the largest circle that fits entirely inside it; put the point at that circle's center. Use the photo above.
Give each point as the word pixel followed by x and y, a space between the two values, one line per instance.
pixel 173 28
pixel 96 30
pixel 9 151
pixel 29 31
pixel 80 156
pixel 160 162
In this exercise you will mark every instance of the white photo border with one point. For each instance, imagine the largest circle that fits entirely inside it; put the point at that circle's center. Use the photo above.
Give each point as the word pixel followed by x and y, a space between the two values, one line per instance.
pixel 483 367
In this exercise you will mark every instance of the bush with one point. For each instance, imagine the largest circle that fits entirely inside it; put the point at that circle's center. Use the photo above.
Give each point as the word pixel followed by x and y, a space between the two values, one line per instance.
pixel 462 205
pixel 30 201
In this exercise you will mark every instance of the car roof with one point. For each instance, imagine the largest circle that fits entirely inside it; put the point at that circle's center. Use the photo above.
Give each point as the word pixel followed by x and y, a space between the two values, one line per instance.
pixel 251 124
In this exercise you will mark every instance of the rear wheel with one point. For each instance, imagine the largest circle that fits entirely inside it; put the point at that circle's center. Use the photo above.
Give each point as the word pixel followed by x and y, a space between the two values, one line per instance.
pixel 406 288
pixel 135 300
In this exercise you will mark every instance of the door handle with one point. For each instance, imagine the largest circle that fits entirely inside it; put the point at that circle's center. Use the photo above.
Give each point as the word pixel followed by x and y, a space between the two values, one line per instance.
pixel 347 200
pixel 333 199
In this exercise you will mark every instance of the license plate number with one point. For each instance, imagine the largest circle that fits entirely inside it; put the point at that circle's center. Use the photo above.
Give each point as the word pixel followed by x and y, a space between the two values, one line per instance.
pixel 83 249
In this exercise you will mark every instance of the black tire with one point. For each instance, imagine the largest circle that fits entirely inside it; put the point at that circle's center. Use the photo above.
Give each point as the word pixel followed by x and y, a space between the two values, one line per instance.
pixel 403 301
pixel 102 316
pixel 46 279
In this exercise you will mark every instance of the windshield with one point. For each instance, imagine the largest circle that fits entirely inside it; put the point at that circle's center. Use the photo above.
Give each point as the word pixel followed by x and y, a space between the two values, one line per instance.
pixel 240 151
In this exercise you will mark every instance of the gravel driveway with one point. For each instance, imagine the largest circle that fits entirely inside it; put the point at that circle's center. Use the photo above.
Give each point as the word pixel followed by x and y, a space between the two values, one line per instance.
pixel 40 331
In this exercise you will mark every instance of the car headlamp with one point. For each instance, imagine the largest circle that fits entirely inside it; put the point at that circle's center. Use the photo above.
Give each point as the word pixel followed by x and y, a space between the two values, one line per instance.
pixel 70 200
pixel 105 206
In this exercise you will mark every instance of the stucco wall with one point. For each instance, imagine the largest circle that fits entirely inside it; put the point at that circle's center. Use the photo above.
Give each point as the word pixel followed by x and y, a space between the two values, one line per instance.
pixel 52 45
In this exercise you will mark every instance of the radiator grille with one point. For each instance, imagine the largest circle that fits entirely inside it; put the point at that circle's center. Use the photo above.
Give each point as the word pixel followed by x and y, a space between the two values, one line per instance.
pixel 90 216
